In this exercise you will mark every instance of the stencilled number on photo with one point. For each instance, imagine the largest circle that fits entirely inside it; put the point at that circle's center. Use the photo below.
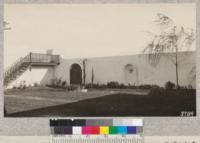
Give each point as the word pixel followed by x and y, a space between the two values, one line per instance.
pixel 187 113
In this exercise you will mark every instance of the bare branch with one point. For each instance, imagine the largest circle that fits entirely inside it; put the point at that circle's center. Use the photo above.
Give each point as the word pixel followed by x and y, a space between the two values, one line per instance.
pixel 163 21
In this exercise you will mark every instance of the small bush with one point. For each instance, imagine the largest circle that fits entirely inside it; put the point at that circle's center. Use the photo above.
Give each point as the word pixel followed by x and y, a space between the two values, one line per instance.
pixel 72 87
pixel 22 84
pixel 57 83
pixel 132 87
pixel 113 84
pixel 14 87
pixel 145 86
pixel 116 85
pixel 95 86
pixel 64 83
pixel 35 84
pixel 122 86
pixel 156 90
pixel 190 86
pixel 169 85
pixel 88 85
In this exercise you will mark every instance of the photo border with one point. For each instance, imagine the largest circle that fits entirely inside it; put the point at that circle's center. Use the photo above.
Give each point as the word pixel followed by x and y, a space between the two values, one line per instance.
pixel 159 126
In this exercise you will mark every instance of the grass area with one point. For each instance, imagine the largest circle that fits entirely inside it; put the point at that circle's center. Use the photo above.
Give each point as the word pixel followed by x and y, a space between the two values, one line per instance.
pixel 122 104
pixel 42 97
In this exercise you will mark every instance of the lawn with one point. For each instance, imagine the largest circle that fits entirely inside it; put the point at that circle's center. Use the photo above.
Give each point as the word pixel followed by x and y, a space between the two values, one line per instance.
pixel 108 103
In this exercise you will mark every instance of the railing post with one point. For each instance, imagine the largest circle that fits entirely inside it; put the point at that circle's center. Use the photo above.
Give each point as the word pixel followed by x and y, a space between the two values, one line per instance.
pixel 30 62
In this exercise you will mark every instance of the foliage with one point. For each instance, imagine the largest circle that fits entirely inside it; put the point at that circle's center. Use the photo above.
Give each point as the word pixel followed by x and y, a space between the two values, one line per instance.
pixel 71 87
pixel 14 87
pixel 64 83
pixel 156 91
pixel 92 78
pixel 170 38
pixel 145 86
pixel 57 83
pixel 171 91
pixel 113 84
pixel 84 71
pixel 22 84
pixel 95 86
pixel 169 85
pixel 193 72
pixel 35 84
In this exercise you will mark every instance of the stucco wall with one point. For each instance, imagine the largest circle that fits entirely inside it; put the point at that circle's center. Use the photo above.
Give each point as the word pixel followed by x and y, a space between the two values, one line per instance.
pixel 113 69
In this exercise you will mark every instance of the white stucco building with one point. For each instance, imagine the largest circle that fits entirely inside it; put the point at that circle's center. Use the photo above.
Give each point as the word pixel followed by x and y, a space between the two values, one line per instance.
pixel 129 69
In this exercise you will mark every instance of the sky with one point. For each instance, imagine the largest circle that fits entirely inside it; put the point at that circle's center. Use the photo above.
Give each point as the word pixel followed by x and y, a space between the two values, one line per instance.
pixel 85 30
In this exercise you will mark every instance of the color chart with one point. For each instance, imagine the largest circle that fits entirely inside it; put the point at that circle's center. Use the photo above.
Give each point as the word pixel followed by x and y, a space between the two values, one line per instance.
pixel 96 130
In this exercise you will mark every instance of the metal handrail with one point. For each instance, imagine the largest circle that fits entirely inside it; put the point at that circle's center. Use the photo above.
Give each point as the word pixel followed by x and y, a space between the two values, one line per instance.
pixel 43 58
pixel 13 66
pixel 33 58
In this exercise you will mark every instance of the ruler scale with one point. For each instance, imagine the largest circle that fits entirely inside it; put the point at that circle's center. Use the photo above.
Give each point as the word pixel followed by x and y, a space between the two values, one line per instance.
pixel 63 139
pixel 96 131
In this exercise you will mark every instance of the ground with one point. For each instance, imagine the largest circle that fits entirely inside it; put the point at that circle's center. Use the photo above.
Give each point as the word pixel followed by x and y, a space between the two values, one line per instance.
pixel 35 102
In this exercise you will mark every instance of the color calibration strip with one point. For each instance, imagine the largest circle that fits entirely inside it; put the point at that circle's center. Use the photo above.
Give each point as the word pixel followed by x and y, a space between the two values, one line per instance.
pixel 96 131
pixel 96 127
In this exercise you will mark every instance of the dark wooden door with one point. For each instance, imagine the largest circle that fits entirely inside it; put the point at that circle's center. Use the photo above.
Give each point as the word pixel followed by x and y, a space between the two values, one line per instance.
pixel 75 74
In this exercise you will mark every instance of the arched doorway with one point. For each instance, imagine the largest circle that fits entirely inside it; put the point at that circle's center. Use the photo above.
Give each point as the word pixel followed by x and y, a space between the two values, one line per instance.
pixel 75 74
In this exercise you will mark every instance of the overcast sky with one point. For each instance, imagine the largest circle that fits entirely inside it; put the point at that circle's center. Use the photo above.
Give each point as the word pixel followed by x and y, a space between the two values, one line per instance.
pixel 86 30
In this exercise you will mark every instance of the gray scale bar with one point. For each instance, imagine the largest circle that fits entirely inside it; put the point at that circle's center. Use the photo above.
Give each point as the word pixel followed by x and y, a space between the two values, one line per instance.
pixel 102 122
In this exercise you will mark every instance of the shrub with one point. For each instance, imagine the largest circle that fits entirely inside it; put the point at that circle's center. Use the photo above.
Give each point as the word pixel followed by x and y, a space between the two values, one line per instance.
pixel 113 84
pixel 72 87
pixel 35 84
pixel 132 87
pixel 53 83
pixel 146 86
pixel 95 85
pixel 88 85
pixel 57 83
pixel 122 86
pixel 22 84
pixel 14 87
pixel 169 85
pixel 190 86
pixel 156 90
pixel 64 83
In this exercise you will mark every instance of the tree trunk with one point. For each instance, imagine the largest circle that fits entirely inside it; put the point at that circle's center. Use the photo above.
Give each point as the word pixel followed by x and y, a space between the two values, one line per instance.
pixel 176 64
pixel 84 72
pixel 92 79
pixel 30 61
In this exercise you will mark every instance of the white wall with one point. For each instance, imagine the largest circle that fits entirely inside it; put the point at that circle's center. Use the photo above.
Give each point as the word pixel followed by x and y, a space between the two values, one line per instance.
pixel 113 69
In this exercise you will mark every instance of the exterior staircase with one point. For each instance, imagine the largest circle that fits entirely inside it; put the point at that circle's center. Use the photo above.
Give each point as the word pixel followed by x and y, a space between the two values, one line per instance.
pixel 30 61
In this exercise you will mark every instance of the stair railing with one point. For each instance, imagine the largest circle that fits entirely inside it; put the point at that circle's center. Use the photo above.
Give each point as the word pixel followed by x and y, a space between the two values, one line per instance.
pixel 15 65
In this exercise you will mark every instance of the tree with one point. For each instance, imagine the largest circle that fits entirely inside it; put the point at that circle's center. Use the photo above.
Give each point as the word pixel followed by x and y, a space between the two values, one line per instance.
pixel 171 39
pixel 92 78
pixel 84 71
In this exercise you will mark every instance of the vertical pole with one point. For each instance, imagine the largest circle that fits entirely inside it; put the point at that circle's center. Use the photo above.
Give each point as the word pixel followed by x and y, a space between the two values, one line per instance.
pixel 30 62
pixel 177 84
pixel 174 43
pixel 84 72
pixel 92 78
